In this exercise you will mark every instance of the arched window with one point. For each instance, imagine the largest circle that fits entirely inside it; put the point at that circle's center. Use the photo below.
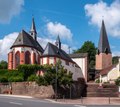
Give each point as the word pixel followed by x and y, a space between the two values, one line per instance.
pixel 27 57
pixel 38 59
pixel 17 59
pixel 35 59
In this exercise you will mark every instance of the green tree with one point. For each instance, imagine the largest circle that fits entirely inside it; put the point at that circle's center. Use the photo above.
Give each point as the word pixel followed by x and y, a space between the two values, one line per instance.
pixel 117 81
pixel 115 59
pixel 63 77
pixel 88 47
pixel 3 64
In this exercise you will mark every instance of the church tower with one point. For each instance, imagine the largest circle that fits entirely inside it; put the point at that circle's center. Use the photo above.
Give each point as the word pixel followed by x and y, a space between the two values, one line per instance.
pixel 33 31
pixel 103 56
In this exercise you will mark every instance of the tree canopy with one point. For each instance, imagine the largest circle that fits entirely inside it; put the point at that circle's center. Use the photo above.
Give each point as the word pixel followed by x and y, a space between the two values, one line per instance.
pixel 88 47
pixel 3 64
pixel 115 60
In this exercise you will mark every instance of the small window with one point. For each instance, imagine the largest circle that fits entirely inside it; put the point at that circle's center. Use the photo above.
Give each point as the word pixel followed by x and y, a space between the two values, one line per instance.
pixel 106 50
pixel 19 40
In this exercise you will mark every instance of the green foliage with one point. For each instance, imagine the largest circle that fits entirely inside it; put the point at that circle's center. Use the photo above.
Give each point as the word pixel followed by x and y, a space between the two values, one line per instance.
pixel 117 81
pixel 28 70
pixel 16 79
pixel 97 81
pixel 10 76
pixel 40 80
pixel 88 47
pixel 115 60
pixel 3 79
pixel 63 78
pixel 3 64
pixel 32 77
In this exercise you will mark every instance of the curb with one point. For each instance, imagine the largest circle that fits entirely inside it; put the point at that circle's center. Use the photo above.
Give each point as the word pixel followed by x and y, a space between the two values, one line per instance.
pixel 58 102
pixel 19 96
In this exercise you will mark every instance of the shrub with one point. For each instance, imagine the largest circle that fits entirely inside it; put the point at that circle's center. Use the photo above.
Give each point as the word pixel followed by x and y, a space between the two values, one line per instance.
pixel 40 80
pixel 3 79
pixel 117 81
pixel 28 70
pixel 16 79
pixel 97 81
pixel 10 75
pixel 32 78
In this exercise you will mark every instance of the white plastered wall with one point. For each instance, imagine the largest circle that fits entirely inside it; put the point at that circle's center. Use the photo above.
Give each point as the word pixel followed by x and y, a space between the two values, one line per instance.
pixel 77 72
pixel 83 64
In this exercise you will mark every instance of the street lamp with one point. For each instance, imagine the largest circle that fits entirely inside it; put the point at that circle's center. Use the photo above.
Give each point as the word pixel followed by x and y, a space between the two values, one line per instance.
pixel 56 83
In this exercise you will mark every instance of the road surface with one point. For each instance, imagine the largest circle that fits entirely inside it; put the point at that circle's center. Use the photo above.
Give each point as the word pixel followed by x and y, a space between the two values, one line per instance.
pixel 8 101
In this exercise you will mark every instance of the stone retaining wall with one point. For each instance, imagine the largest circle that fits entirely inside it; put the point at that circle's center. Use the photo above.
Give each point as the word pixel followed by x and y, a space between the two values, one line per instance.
pixel 32 89
pixel 27 88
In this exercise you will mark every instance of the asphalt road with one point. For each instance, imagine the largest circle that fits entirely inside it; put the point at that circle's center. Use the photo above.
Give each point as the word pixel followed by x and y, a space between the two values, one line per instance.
pixel 6 101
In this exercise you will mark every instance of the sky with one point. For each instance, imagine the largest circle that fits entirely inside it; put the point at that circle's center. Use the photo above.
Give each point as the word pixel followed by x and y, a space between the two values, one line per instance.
pixel 75 21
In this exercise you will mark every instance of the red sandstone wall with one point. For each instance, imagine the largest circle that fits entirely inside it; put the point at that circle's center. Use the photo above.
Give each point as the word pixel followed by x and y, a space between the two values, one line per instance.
pixel 103 61
pixel 10 60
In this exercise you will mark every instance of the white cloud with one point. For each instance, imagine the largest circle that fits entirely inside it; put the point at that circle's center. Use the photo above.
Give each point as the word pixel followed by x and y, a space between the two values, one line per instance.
pixel 55 29
pixel 6 43
pixel 9 8
pixel 111 15
pixel 116 53
pixel 9 39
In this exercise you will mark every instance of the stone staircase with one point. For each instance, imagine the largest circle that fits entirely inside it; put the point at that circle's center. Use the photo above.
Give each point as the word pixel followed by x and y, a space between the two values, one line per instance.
pixel 94 90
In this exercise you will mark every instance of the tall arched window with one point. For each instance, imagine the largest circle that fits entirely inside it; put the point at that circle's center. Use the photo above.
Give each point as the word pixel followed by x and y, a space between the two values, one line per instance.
pixel 17 59
pixel 38 59
pixel 35 62
pixel 27 57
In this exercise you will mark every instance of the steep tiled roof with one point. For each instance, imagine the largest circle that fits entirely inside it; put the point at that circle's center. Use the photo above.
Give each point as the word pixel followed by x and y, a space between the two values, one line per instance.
pixel 52 50
pixel 24 39
pixel 103 46
pixel 78 55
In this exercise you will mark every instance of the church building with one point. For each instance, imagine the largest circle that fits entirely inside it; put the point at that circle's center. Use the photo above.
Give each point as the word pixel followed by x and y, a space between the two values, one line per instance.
pixel 27 50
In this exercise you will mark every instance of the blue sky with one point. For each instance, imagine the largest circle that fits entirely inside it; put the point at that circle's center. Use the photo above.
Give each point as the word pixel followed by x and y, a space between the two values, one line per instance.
pixel 76 21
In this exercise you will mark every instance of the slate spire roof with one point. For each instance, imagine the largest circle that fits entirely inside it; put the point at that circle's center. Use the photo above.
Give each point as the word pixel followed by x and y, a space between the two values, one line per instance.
pixel 33 28
pixel 52 50
pixel 33 31
pixel 58 42
pixel 25 39
pixel 103 45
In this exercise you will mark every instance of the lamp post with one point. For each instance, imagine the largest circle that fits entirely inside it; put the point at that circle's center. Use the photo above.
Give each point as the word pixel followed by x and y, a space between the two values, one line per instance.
pixel 56 83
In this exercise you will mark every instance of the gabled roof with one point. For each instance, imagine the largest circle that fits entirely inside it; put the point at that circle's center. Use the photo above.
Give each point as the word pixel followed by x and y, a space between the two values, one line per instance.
pixel 105 71
pixel 52 50
pixel 24 39
pixel 103 45
pixel 78 55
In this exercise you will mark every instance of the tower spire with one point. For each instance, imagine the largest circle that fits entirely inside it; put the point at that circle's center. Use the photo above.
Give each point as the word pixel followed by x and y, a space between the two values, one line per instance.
pixel 33 31
pixel 58 42
pixel 103 45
